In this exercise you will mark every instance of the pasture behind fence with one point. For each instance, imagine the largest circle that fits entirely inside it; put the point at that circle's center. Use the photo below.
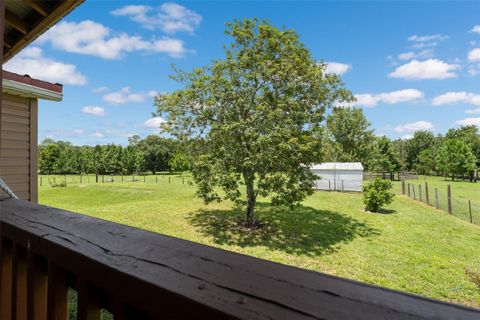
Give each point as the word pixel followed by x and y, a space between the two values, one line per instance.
pixel 77 179
pixel 443 198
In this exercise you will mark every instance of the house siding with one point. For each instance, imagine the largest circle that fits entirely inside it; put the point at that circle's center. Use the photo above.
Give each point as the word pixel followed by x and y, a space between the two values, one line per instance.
pixel 18 145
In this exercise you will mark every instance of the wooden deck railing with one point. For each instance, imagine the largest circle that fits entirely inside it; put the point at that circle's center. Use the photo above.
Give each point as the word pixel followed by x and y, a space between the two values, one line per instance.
pixel 136 274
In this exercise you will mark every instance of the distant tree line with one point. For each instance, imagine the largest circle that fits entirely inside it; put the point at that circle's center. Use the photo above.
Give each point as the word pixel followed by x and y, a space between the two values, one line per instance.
pixel 151 154
pixel 349 138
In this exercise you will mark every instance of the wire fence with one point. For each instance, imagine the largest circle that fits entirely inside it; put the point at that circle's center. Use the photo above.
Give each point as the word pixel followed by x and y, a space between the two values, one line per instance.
pixel 443 198
pixel 45 181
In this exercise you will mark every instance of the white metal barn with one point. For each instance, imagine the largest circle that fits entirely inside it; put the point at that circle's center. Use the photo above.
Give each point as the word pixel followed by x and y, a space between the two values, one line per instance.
pixel 340 176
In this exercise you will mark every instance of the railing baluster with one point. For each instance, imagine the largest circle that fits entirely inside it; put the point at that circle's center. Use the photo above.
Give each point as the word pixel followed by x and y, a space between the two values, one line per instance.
pixel 6 292
pixel 57 296
pixel 20 279
pixel 88 303
pixel 37 287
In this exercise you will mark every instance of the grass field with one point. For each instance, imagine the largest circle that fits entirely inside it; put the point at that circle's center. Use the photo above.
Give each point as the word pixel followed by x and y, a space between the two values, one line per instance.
pixel 462 192
pixel 411 247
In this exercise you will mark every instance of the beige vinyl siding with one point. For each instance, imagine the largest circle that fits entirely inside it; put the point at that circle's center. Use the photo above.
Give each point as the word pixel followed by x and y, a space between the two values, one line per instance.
pixel 18 144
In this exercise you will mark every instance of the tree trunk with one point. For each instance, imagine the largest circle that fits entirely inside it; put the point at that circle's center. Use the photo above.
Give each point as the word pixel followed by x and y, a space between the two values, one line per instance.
pixel 251 199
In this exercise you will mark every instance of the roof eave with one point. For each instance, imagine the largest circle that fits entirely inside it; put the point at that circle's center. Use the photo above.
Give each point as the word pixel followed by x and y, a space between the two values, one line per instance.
pixel 29 91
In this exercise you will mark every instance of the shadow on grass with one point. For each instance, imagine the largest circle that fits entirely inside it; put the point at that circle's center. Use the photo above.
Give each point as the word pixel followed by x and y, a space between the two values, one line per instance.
pixel 301 231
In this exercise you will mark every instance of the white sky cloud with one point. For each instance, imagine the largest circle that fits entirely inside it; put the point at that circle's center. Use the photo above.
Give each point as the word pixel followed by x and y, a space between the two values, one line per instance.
pixel 32 62
pixel 427 38
pixel 427 69
pixel 92 38
pixel 426 53
pixel 125 95
pixel 169 17
pixel 473 111
pixel 457 97
pixel 476 29
pixel 101 89
pixel 337 67
pixel 407 136
pixel 153 123
pixel 474 55
pixel 414 126
pixel 469 122
pixel 94 110
pixel 405 95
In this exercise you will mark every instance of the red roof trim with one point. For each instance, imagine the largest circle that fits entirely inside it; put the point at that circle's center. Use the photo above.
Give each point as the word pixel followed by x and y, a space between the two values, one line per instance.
pixel 25 79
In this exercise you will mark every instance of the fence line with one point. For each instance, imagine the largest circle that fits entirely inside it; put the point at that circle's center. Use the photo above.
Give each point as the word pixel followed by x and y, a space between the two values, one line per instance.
pixel 465 209
pixel 66 180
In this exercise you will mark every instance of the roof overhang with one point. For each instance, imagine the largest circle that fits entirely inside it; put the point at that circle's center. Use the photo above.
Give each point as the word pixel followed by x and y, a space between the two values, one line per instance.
pixel 26 20
pixel 24 86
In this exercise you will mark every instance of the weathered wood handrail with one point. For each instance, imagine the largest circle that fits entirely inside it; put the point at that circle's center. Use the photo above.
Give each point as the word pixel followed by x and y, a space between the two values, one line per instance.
pixel 137 274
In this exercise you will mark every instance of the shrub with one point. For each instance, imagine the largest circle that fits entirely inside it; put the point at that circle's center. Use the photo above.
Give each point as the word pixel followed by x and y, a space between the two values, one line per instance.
pixel 473 276
pixel 377 194
pixel 57 184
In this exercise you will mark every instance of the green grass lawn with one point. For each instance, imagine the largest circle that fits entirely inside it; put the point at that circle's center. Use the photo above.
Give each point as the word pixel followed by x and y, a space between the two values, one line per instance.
pixel 412 248
pixel 462 192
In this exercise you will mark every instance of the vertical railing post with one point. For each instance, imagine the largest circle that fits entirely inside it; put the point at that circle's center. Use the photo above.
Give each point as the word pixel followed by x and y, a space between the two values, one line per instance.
pixel 403 186
pixel 20 281
pixel 414 196
pixel 436 199
pixel 6 289
pixel 420 192
pixel 449 198
pixel 57 296
pixel 37 287
pixel 409 190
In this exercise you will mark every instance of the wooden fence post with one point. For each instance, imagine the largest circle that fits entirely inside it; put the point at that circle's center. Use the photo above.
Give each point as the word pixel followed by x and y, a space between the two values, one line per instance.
pixel 470 209
pixel 436 199
pixel 103 178
pixel 41 181
pixel 420 192
pixel 403 185
pixel 414 196
pixel 329 187
pixel 427 196
pixel 343 189
pixel 408 190
pixel 80 178
pixel 449 198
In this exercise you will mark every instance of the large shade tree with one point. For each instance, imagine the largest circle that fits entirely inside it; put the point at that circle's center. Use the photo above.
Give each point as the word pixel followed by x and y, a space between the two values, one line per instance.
pixel 351 134
pixel 255 116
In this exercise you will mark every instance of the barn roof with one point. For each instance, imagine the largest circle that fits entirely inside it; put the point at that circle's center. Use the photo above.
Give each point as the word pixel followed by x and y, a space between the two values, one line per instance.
pixel 338 166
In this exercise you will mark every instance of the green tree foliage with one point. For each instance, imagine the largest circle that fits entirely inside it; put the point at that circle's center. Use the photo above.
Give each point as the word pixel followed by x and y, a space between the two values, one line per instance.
pixel 377 194
pixel 350 134
pixel 421 140
pixel 455 157
pixel 179 162
pixel 384 157
pixel 49 154
pixel 255 116
pixel 61 157
pixel 426 162
pixel 157 152
pixel 470 135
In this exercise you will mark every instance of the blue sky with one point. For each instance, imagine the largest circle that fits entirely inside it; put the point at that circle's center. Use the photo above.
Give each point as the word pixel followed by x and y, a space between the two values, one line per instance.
pixel 412 65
